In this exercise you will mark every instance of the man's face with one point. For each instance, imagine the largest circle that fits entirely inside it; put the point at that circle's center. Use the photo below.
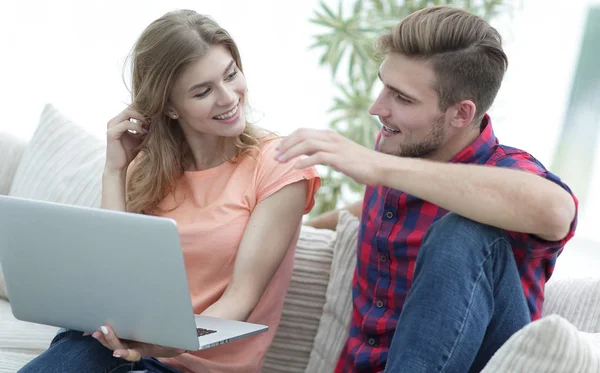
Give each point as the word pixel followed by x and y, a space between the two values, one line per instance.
pixel 413 125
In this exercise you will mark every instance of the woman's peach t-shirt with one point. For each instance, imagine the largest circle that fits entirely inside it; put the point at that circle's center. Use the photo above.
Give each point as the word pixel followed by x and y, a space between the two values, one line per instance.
pixel 212 208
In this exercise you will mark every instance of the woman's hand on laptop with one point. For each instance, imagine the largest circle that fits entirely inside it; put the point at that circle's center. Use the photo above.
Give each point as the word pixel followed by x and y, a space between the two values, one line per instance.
pixel 130 350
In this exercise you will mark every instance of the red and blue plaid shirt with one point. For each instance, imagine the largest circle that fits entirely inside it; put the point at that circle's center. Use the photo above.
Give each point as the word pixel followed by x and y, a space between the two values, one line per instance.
pixel 392 226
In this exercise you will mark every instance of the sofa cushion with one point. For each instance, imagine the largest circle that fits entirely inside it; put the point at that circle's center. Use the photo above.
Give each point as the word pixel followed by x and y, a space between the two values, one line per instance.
pixel 337 310
pixel 577 300
pixel 20 341
pixel 303 304
pixel 10 362
pixel 548 345
pixel 61 163
pixel 22 336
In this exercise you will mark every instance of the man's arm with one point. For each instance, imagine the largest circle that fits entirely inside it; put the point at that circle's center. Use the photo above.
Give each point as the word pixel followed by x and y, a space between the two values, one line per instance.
pixel 329 219
pixel 508 199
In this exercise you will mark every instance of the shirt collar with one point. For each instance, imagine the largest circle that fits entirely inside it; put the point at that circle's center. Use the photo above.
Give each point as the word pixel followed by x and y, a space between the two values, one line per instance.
pixel 482 148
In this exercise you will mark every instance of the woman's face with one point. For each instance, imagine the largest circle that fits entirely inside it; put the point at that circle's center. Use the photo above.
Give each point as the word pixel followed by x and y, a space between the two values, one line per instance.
pixel 208 98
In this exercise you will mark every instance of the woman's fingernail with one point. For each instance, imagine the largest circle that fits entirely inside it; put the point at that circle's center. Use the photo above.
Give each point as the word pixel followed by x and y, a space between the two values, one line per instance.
pixel 116 355
pixel 95 336
pixel 145 130
pixel 104 330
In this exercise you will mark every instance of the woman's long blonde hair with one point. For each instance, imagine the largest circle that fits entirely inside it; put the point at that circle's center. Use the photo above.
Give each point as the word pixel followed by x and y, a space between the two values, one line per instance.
pixel 161 54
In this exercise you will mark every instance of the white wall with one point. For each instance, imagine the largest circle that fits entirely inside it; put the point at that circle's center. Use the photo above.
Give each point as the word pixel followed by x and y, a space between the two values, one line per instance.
pixel 71 53
pixel 542 43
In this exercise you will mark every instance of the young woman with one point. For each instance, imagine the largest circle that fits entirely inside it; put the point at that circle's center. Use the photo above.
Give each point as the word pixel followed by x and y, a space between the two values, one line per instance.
pixel 184 149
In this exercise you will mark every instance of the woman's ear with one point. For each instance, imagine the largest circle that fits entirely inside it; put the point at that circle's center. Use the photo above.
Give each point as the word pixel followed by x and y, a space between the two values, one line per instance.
pixel 172 114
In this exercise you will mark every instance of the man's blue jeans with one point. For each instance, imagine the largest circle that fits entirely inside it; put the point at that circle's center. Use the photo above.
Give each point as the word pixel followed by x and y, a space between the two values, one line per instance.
pixel 70 352
pixel 465 302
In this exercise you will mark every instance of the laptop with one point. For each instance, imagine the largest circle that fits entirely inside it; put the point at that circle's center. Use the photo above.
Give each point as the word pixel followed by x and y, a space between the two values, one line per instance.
pixel 80 268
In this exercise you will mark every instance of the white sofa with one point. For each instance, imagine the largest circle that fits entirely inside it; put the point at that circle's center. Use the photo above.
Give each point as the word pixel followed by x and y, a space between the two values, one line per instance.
pixel 63 163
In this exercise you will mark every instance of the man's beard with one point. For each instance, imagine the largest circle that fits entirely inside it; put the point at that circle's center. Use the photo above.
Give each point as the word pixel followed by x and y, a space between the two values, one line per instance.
pixel 429 144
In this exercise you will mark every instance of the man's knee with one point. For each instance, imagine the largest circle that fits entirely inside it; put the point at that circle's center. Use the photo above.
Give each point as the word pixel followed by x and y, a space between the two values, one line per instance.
pixel 454 232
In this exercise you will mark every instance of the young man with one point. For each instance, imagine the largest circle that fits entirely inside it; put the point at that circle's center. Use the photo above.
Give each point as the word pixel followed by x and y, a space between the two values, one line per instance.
pixel 458 234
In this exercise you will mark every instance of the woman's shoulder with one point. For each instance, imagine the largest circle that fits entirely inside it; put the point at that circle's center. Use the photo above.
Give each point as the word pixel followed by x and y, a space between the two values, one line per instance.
pixel 268 141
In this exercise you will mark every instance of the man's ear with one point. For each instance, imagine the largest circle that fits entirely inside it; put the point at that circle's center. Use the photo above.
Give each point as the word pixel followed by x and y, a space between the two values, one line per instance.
pixel 463 113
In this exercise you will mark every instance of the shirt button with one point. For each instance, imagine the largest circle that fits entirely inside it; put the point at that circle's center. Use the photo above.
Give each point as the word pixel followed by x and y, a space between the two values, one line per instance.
pixel 389 214
pixel 383 258
pixel 371 342
pixel 379 304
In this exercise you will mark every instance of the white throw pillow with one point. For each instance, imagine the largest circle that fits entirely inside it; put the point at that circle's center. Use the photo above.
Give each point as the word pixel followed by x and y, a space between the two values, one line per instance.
pixel 61 163
pixel 337 310
pixel 11 151
pixel 577 300
pixel 548 345
pixel 303 306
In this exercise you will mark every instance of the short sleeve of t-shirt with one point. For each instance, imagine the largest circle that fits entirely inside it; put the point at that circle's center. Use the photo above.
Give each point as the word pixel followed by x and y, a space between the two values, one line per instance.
pixel 272 175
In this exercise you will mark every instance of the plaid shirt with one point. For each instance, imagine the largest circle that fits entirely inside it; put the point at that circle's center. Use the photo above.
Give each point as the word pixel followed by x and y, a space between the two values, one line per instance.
pixel 392 226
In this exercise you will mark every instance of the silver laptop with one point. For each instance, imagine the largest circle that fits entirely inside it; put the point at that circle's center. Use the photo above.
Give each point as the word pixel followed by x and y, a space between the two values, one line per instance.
pixel 80 268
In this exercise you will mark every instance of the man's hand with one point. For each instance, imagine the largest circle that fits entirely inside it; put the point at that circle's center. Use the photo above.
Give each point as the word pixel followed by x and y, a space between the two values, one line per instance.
pixel 510 199
pixel 329 148
pixel 131 351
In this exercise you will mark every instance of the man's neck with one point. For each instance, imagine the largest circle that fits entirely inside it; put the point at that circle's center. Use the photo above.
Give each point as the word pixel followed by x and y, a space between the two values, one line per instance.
pixel 455 144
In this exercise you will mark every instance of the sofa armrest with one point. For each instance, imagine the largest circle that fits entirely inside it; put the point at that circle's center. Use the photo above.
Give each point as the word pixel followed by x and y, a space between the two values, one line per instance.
pixel 11 151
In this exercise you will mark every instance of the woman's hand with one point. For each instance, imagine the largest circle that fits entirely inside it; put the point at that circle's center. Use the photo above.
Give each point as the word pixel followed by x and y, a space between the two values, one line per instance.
pixel 124 134
pixel 129 350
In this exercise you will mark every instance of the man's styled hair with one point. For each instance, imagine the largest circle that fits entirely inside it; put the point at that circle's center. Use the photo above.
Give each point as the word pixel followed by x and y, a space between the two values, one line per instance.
pixel 464 50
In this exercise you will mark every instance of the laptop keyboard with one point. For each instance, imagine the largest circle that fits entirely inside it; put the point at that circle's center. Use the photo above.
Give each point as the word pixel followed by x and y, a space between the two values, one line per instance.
pixel 202 332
